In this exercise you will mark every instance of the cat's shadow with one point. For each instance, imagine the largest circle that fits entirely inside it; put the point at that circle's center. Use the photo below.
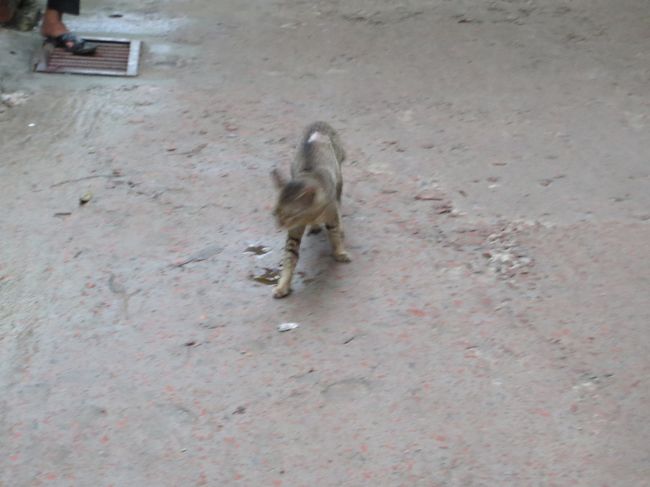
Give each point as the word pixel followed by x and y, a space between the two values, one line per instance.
pixel 315 279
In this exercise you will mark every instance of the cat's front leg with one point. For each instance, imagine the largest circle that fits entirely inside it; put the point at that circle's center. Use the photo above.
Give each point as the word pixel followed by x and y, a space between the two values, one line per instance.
pixel 291 253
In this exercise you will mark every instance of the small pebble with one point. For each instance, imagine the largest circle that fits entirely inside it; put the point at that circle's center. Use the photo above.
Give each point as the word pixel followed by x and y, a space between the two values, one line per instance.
pixel 85 198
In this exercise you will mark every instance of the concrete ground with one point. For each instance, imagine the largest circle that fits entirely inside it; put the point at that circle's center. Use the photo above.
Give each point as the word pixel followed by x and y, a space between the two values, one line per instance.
pixel 492 329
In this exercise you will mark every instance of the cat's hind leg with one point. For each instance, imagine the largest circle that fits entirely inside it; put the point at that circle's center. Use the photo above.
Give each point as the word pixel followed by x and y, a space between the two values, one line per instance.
pixel 335 232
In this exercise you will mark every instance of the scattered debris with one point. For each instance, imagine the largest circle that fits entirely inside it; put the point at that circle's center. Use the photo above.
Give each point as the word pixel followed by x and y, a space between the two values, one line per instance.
pixel 239 410
pixel 349 388
pixel 76 180
pixel 461 19
pixel 505 256
pixel 190 153
pixel 268 276
pixel 85 198
pixel 115 286
pixel 191 343
pixel 304 374
pixel 209 323
pixel 282 327
pixel 14 99
pixel 257 249
pixel 61 214
pixel 547 181
pixel 203 254
pixel 430 196
pixel 118 288
pixel 382 18
pixel 444 208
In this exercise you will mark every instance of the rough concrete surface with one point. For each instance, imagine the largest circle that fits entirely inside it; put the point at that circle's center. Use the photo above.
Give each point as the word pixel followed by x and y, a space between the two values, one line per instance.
pixel 492 329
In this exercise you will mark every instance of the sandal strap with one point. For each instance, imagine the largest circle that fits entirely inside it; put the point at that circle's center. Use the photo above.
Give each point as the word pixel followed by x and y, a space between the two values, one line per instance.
pixel 70 37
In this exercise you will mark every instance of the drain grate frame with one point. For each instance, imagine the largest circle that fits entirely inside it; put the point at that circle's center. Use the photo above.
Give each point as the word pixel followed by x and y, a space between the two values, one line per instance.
pixel 114 57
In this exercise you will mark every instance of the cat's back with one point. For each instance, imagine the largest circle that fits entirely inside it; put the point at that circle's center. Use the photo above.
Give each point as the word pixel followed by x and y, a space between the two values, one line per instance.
pixel 320 146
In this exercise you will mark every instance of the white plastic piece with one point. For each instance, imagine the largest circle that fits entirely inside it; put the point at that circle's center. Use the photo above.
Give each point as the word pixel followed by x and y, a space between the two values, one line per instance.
pixel 287 326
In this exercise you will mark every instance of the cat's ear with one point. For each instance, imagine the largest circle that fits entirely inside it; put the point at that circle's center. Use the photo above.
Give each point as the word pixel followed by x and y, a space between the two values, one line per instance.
pixel 278 179
pixel 307 195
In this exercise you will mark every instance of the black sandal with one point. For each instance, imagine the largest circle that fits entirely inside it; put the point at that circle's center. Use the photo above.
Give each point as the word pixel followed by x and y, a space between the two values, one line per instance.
pixel 79 46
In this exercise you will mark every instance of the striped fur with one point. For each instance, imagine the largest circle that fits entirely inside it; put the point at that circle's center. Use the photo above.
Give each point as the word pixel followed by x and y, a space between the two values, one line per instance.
pixel 311 197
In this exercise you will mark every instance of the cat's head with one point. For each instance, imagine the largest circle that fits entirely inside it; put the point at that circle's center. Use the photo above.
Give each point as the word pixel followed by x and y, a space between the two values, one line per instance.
pixel 299 202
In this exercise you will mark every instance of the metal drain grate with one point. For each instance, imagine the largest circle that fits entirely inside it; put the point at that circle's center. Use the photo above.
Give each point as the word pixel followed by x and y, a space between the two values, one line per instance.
pixel 113 57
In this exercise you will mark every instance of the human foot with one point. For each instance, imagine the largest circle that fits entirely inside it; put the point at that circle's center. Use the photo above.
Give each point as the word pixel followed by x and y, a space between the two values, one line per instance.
pixel 55 32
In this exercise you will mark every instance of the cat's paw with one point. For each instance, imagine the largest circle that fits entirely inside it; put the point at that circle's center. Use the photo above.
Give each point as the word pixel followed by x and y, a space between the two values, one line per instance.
pixel 342 257
pixel 281 292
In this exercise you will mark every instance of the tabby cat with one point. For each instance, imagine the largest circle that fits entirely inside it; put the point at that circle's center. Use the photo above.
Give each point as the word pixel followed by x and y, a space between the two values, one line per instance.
pixel 311 198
